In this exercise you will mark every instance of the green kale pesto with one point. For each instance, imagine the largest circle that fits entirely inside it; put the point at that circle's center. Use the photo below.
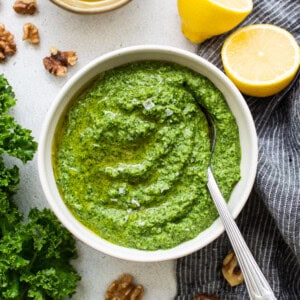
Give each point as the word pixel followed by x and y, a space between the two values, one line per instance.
pixel 131 155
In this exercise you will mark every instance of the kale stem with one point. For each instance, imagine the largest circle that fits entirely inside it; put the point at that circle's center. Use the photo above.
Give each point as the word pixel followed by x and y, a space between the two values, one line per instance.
pixel 32 261
pixel 23 293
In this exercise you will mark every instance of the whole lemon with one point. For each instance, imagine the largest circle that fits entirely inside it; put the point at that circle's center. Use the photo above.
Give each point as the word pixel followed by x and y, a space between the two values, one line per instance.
pixel 203 19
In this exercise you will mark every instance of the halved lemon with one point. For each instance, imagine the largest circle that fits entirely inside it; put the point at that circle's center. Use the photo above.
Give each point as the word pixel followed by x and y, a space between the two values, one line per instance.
pixel 203 19
pixel 261 59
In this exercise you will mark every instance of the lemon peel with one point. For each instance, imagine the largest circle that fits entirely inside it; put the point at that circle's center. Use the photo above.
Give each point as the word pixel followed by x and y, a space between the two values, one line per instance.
pixel 203 19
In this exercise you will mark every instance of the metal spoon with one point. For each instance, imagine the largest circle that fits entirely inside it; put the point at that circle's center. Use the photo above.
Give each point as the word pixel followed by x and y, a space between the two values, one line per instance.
pixel 257 285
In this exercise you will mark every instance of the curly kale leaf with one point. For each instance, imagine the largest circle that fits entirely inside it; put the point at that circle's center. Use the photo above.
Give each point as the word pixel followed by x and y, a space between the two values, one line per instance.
pixel 9 215
pixel 35 260
pixel 7 96
pixel 14 139
pixel 17 142
pixel 9 178
pixel 34 256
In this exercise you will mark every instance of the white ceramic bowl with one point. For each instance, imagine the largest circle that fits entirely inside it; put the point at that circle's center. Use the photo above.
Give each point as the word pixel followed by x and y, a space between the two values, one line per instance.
pixel 90 6
pixel 237 104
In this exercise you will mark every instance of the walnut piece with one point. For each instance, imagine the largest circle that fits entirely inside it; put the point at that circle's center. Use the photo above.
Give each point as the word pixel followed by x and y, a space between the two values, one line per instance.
pixel 31 33
pixel 205 297
pixel 124 289
pixel 57 64
pixel 25 7
pixel 231 270
pixel 7 44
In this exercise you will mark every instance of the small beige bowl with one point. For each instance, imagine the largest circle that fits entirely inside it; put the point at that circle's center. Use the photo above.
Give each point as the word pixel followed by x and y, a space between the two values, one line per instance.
pixel 90 6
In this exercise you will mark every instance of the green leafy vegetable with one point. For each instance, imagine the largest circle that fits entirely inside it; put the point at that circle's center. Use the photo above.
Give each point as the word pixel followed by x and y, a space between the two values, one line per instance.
pixel 34 259
pixel 14 140
pixel 34 256
pixel 7 96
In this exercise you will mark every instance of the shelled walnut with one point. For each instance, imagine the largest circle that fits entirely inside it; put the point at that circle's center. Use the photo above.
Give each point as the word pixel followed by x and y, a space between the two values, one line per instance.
pixel 57 63
pixel 25 7
pixel 231 270
pixel 124 289
pixel 31 33
pixel 7 44
pixel 205 297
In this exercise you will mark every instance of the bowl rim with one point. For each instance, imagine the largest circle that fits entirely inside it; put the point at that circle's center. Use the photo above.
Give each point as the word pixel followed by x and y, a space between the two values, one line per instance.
pixel 84 234
pixel 90 7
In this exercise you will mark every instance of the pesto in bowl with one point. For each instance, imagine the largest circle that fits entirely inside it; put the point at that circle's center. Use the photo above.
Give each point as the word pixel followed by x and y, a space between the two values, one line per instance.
pixel 131 154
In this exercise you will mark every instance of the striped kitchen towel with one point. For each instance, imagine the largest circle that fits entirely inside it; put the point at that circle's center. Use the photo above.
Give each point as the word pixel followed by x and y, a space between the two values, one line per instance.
pixel 270 221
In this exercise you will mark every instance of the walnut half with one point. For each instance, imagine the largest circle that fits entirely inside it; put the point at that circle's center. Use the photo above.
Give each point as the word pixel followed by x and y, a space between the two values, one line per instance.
pixel 58 61
pixel 205 297
pixel 7 44
pixel 124 289
pixel 25 7
pixel 31 33
pixel 231 270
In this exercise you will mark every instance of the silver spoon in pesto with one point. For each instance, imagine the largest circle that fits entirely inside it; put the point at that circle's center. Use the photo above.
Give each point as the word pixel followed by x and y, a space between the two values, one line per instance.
pixel 257 285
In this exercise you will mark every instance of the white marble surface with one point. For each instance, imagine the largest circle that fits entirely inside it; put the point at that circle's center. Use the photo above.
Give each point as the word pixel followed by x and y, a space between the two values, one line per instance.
pixel 139 22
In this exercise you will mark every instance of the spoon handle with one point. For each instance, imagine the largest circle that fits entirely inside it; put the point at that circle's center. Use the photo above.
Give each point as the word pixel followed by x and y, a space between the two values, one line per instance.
pixel 257 285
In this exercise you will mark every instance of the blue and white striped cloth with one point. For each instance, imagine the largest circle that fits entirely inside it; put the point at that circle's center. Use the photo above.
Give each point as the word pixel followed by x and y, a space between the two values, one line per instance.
pixel 270 221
